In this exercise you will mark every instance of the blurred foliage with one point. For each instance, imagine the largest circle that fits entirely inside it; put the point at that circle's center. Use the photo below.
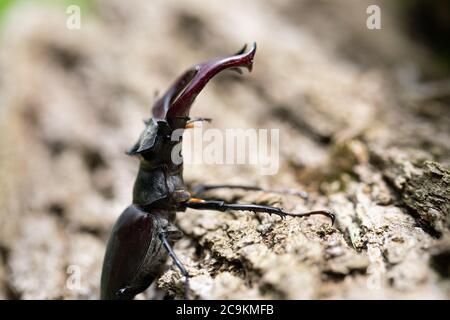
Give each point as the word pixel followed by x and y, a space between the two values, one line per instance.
pixel 86 6
pixel 4 6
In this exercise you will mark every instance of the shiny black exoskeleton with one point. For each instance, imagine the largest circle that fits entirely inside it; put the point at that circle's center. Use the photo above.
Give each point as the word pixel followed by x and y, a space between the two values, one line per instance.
pixel 142 238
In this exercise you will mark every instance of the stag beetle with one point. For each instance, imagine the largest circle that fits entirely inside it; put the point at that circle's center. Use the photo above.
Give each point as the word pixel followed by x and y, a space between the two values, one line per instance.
pixel 142 238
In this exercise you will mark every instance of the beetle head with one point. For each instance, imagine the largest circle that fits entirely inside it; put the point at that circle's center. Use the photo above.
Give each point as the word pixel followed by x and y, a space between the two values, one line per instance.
pixel 155 138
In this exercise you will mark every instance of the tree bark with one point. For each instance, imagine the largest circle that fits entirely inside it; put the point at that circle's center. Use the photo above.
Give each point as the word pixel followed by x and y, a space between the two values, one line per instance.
pixel 359 130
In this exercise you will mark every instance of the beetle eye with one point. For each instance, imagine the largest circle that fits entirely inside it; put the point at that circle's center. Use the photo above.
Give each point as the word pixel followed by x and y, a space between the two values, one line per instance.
pixel 168 138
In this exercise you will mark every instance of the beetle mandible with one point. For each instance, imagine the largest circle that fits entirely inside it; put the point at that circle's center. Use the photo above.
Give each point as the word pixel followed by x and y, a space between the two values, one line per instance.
pixel 142 237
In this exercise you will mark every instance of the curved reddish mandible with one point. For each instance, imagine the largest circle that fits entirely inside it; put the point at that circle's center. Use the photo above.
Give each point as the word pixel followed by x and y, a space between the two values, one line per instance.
pixel 175 104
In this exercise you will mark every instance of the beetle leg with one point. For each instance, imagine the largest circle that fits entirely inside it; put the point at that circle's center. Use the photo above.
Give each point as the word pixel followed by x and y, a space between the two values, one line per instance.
pixel 200 189
pixel 178 263
pixel 173 235
pixel 222 206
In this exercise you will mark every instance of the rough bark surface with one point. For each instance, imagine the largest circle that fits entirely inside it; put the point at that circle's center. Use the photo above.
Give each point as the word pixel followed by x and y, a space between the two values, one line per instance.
pixel 359 130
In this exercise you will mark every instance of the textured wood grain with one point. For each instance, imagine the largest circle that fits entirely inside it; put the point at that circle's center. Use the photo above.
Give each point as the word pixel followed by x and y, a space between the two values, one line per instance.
pixel 359 130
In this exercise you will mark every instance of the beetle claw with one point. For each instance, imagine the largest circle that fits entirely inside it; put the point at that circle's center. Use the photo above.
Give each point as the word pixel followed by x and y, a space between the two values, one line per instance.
pixel 186 288
pixel 180 96
pixel 242 50
pixel 238 70
pixel 324 212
